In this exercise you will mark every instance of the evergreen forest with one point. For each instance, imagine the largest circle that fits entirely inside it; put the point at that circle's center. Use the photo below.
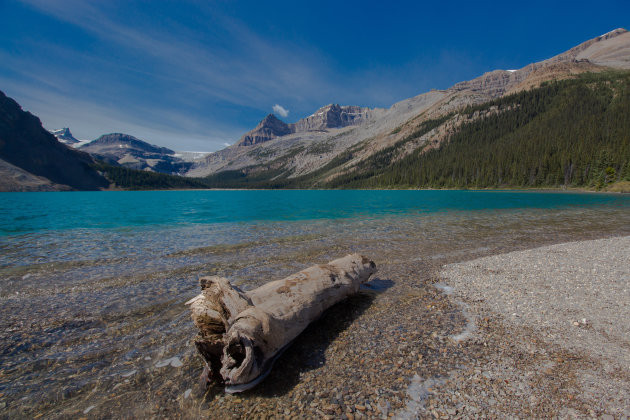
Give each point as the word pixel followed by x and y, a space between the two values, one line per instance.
pixel 565 133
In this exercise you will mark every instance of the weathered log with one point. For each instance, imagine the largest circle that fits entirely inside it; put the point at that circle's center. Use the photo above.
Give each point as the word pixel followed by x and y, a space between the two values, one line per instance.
pixel 242 333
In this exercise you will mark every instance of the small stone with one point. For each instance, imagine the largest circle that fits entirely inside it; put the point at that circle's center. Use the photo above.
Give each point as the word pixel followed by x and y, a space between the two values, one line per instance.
pixel 607 417
pixel 360 407
pixel 90 408
pixel 332 408
pixel 173 361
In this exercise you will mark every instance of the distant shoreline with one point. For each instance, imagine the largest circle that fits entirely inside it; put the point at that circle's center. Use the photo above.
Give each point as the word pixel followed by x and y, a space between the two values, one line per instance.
pixel 619 188
pixel 524 189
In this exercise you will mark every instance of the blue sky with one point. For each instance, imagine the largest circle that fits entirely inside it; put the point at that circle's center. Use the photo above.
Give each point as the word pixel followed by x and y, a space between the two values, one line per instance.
pixel 197 75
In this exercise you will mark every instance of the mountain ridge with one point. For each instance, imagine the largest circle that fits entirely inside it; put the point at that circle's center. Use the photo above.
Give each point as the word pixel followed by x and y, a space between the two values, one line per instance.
pixel 26 145
pixel 326 117
pixel 267 129
pixel 133 153
pixel 65 136
pixel 300 154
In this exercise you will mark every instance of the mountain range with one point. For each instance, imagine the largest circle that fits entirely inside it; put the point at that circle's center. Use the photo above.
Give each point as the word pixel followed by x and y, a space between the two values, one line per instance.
pixel 298 153
pixel 345 146
pixel 65 136
pixel 128 151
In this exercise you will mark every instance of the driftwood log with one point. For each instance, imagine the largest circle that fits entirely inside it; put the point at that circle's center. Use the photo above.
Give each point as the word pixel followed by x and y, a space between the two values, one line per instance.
pixel 242 333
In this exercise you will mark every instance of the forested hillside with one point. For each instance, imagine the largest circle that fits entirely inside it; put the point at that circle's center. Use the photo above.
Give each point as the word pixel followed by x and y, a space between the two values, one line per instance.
pixel 133 179
pixel 566 133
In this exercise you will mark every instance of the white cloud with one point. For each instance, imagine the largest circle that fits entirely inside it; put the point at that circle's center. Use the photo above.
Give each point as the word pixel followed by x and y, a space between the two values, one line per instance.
pixel 226 144
pixel 280 110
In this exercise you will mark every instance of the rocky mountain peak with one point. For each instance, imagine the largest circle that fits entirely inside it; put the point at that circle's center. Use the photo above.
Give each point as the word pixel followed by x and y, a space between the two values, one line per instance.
pixel 62 132
pixel 123 141
pixel 269 128
pixel 271 119
pixel 614 33
pixel 64 136
pixel 329 116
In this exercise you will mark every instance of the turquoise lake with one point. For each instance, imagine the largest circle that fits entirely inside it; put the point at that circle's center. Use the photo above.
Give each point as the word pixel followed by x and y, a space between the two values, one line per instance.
pixel 37 212
pixel 93 284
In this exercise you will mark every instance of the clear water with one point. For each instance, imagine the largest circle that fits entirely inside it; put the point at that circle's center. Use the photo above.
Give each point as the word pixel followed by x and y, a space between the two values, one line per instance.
pixel 92 284
pixel 37 212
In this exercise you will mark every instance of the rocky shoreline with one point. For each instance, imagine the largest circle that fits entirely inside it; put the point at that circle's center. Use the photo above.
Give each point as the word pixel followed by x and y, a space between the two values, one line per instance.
pixel 412 343
pixel 566 305
pixel 447 351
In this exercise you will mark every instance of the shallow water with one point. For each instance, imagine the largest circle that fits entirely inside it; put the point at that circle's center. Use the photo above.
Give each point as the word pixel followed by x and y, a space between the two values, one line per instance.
pixel 93 285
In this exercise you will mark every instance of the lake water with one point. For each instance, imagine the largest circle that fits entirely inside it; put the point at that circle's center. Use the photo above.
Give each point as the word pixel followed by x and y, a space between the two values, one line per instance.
pixel 92 284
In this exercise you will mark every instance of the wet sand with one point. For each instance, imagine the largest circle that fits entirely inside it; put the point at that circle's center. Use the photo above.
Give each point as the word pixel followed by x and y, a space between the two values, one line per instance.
pixel 399 348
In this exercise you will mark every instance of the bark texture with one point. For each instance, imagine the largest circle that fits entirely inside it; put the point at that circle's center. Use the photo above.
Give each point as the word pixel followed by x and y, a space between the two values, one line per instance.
pixel 241 333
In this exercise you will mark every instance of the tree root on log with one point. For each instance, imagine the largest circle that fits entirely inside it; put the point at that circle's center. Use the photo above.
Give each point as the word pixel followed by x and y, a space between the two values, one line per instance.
pixel 241 334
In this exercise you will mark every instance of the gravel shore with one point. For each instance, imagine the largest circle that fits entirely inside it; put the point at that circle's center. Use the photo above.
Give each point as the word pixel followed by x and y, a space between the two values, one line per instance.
pixel 571 301
pixel 467 317
pixel 494 337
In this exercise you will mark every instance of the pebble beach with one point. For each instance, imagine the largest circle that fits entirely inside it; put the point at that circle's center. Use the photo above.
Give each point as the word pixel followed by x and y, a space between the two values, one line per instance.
pixel 565 306
pixel 539 333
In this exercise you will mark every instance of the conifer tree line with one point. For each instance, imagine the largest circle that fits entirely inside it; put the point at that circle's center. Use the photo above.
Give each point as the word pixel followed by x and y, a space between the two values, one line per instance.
pixel 565 133
pixel 132 179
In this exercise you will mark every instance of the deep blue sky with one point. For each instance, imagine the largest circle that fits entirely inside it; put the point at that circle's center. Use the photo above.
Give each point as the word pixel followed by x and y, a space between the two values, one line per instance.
pixel 197 75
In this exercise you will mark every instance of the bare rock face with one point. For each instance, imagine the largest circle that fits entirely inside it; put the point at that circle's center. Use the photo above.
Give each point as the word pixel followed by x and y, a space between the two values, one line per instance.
pixel 611 49
pixel 14 179
pixel 269 128
pixel 329 116
pixel 130 152
pixel 119 142
pixel 493 84
pixel 332 116
pixel 64 136
pixel 613 52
